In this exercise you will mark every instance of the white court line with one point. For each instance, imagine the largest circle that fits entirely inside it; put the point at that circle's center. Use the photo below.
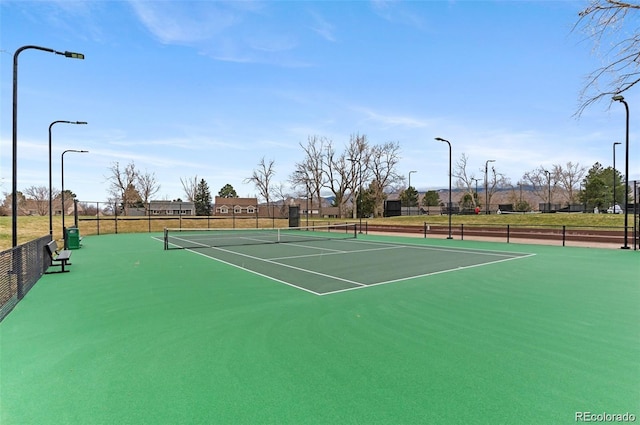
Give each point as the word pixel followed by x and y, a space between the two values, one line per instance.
pixel 426 274
pixel 255 272
pixel 518 255
pixel 457 249
pixel 288 266
pixel 335 252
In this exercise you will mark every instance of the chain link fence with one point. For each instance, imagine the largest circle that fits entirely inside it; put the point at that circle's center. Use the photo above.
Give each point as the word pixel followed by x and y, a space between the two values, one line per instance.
pixel 20 269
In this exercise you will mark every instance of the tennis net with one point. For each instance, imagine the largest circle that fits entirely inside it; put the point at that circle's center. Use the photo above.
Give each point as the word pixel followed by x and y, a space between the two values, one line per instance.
pixel 208 238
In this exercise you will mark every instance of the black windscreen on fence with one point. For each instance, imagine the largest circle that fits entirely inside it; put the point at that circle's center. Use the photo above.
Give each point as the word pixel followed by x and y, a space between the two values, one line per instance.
pixel 20 269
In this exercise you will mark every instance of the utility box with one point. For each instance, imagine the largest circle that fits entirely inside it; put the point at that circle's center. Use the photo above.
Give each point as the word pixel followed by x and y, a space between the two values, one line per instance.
pixel 72 238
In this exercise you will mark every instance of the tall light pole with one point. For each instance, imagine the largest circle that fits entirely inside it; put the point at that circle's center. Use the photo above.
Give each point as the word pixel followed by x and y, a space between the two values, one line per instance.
pixel 440 139
pixel 50 184
pixel 619 98
pixel 614 175
pixel 475 200
pixel 64 233
pixel 549 190
pixel 486 184
pixel 520 186
pixel 358 202
pixel 14 185
pixel 408 200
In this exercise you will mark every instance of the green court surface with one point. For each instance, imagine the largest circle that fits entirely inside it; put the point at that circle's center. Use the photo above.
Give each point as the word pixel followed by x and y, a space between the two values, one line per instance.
pixel 376 330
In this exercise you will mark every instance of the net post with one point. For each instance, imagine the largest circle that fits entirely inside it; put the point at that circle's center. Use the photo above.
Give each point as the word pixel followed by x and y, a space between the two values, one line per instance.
pixel 166 239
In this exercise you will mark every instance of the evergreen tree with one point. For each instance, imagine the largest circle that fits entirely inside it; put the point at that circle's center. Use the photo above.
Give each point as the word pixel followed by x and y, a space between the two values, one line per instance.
pixel 409 197
pixel 202 198
pixel 598 187
pixel 227 192
pixel 431 199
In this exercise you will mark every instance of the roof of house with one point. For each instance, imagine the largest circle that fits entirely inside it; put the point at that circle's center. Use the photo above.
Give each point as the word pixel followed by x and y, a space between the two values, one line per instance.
pixel 241 202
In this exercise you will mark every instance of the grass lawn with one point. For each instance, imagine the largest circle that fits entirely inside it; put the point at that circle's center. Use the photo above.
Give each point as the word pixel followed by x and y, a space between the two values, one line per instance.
pixel 31 227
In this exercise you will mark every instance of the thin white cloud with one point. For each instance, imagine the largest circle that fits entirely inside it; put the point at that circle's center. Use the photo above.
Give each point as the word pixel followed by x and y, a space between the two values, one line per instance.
pixel 397 12
pixel 224 31
pixel 322 27
pixel 393 120
pixel 182 22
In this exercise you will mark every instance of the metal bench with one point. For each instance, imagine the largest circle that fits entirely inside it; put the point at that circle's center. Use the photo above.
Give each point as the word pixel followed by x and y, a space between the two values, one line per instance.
pixel 58 257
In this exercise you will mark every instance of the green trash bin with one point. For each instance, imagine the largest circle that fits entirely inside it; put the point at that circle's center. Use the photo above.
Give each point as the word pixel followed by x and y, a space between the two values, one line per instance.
pixel 73 238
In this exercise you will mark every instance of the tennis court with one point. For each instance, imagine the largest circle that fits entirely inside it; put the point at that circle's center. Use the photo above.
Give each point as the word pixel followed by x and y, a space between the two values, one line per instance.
pixel 328 259
pixel 426 331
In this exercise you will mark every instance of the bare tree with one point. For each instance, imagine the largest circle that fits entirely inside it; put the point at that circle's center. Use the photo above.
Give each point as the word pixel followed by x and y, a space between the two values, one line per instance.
pixel 567 178
pixel 464 180
pixel 339 176
pixel 541 182
pixel 309 172
pixel 603 21
pixel 343 173
pixel 495 182
pixel 261 178
pixel 279 191
pixel 121 182
pixel 40 197
pixel 147 186
pixel 383 172
pixel 5 208
pixel 190 187
pixel 359 154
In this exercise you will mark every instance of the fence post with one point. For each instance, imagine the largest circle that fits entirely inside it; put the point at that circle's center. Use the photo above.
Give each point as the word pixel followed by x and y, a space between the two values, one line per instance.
pixel 16 269
pixel 508 232
pixel 461 232
pixel 563 233
pixel 98 218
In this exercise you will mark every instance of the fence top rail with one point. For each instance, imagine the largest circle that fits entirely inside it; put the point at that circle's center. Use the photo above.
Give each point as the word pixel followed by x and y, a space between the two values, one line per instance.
pixel 46 238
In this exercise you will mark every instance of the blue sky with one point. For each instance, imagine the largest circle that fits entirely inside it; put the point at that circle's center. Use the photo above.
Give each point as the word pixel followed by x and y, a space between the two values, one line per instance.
pixel 208 88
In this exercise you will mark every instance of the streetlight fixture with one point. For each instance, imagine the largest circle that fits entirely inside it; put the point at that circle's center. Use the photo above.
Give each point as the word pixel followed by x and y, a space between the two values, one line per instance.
pixel 64 230
pixel 614 175
pixel 14 185
pixel 619 98
pixel 440 139
pixel 408 200
pixel 486 184
pixel 50 184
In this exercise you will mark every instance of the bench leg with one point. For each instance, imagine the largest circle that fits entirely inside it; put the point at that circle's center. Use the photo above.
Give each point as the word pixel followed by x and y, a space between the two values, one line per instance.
pixel 61 265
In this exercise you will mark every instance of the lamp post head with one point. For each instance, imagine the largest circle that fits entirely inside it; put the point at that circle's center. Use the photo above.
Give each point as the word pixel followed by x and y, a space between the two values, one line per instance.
pixel 617 143
pixel 618 98
pixel 80 122
pixel 73 55
pixel 440 139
